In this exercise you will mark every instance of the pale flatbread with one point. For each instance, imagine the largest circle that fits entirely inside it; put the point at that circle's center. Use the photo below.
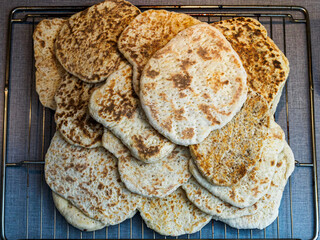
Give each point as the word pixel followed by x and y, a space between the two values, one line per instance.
pixel 249 190
pixel 193 85
pixel 146 34
pixel 174 215
pixel 212 205
pixel 49 72
pixel 228 154
pixel 149 179
pixel 271 201
pixel 116 107
pixel 266 66
pixel 74 216
pixel 89 179
pixel 72 116
pixel 87 43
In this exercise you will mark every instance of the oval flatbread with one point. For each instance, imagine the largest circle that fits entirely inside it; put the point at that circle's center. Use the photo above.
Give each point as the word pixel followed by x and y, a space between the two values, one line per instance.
pixel 149 179
pixel 229 202
pixel 72 114
pixel 87 43
pixel 229 153
pixel 74 216
pixel 257 181
pixel 174 215
pixel 193 85
pixel 146 34
pixel 271 201
pixel 116 107
pixel 49 72
pixel 89 179
pixel 266 66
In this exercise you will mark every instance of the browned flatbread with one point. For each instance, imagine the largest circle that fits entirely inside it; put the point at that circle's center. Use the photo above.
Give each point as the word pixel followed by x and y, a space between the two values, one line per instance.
pixel 227 154
pixel 193 85
pixel 49 71
pixel 87 43
pixel 266 66
pixel 146 34
pixel 72 115
pixel 89 179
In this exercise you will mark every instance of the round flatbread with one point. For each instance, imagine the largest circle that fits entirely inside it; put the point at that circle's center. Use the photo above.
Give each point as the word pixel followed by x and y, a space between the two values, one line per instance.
pixel 266 66
pixel 72 114
pixel 116 107
pixel 229 153
pixel 74 216
pixel 146 34
pixel 193 85
pixel 89 179
pixel 49 72
pixel 174 215
pixel 271 201
pixel 87 43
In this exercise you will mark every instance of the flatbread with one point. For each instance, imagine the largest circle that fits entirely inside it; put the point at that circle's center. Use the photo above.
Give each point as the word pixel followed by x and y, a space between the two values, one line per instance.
pixel 74 216
pixel 256 182
pixel 89 179
pixel 212 205
pixel 72 116
pixel 227 154
pixel 87 43
pixel 266 66
pixel 117 108
pixel 146 34
pixel 49 72
pixel 174 215
pixel 149 179
pixel 271 201
pixel 193 85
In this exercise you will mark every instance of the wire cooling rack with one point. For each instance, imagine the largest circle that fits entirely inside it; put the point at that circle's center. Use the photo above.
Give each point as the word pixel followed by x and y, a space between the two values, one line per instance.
pixel 27 210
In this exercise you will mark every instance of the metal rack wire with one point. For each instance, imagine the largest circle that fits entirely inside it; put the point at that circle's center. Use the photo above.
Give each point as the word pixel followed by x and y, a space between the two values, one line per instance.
pixel 27 210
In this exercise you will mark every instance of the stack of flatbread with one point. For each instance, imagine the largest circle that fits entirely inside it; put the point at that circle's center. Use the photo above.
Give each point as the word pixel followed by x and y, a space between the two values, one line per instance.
pixel 159 113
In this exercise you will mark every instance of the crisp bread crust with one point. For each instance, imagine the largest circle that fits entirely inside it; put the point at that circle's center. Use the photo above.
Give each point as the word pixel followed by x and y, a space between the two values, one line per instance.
pixel 49 72
pixel 174 215
pixel 116 107
pixel 266 66
pixel 72 114
pixel 193 85
pixel 149 179
pixel 74 216
pixel 243 198
pixel 229 153
pixel 87 43
pixel 146 34
pixel 271 201
pixel 89 179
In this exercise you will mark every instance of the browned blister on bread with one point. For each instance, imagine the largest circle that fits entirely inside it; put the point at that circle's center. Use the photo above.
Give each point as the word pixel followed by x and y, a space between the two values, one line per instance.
pixel 266 66
pixel 87 43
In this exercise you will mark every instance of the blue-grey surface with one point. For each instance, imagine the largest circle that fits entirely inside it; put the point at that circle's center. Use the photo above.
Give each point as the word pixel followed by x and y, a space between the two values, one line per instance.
pixel 30 212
